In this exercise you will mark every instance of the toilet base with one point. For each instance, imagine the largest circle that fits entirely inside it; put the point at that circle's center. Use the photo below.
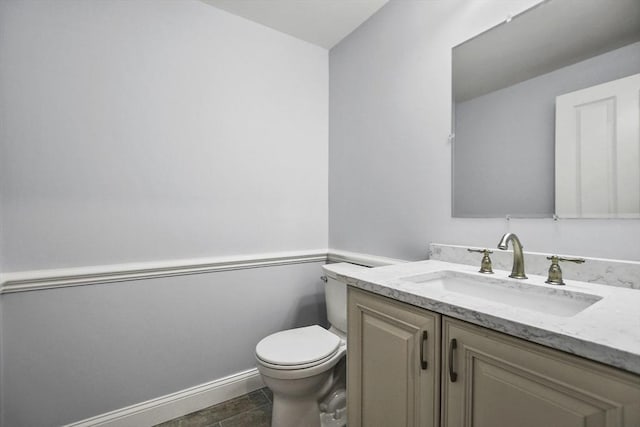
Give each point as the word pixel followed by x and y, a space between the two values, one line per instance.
pixel 333 410
pixel 318 400
pixel 295 413
pixel 295 401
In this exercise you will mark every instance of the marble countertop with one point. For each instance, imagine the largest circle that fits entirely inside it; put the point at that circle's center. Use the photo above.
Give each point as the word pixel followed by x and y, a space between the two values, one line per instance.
pixel 607 331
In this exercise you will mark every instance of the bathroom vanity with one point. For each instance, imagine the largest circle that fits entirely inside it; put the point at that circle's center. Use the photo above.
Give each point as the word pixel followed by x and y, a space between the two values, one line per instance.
pixel 438 344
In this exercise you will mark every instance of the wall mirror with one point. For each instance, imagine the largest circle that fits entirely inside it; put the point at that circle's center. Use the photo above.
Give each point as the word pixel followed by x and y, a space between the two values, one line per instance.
pixel 564 70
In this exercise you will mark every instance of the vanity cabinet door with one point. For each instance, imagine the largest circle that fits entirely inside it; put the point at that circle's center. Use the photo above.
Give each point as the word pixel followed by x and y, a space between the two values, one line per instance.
pixel 392 363
pixel 505 381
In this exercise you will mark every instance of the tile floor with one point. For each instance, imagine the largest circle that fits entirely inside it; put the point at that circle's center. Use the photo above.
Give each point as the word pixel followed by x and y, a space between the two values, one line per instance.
pixel 250 410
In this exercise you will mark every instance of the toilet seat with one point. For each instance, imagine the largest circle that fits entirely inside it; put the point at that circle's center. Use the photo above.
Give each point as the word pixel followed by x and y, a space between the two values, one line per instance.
pixel 298 348
pixel 301 372
pixel 295 367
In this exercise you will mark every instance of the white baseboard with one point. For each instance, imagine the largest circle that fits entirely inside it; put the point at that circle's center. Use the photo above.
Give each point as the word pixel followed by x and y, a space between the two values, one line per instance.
pixel 165 408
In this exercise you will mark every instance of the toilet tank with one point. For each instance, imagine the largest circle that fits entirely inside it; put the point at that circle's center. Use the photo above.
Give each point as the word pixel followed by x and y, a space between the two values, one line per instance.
pixel 336 293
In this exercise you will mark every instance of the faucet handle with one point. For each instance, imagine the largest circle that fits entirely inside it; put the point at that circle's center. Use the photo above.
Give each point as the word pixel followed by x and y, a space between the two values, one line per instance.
pixel 555 273
pixel 485 264
pixel 576 260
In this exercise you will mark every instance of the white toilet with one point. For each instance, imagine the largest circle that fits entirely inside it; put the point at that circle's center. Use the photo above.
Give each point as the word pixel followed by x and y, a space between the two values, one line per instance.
pixel 305 368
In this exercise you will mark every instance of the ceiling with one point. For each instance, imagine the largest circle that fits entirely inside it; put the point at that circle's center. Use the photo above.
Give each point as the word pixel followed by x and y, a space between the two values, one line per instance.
pixel 321 22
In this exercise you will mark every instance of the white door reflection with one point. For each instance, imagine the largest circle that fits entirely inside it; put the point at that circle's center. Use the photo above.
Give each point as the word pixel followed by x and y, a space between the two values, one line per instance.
pixel 598 151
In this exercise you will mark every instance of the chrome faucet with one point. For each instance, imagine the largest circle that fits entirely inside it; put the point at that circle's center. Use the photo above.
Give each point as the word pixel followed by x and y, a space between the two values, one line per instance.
pixel 517 271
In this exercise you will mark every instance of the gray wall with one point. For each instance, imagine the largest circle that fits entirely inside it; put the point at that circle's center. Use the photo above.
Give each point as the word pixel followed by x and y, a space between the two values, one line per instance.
pixel 147 130
pixel 389 159
pixel 151 130
pixel 505 141
pixel 74 353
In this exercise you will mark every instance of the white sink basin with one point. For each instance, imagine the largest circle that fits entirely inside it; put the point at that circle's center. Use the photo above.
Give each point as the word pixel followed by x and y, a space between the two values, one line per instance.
pixel 557 301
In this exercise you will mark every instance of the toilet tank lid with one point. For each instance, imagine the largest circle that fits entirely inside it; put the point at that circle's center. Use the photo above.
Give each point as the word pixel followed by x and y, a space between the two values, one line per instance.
pixel 330 270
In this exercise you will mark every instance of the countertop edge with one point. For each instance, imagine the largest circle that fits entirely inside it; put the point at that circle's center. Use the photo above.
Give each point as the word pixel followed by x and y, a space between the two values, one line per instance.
pixel 584 348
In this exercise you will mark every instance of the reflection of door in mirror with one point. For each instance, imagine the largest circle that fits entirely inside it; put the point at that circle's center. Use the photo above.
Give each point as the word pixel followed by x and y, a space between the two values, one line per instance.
pixel 598 151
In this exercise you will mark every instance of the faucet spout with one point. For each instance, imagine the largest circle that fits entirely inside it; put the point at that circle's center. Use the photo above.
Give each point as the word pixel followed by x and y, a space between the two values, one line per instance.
pixel 517 271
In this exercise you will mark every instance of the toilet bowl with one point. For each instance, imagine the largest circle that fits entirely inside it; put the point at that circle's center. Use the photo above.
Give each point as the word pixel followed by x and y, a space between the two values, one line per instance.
pixel 299 379
pixel 305 367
